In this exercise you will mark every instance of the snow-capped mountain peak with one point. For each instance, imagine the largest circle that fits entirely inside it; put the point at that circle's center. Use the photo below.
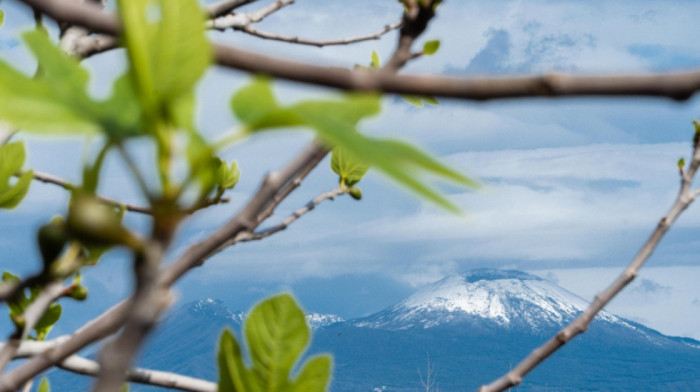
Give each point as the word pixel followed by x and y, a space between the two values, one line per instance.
pixel 504 297
pixel 318 320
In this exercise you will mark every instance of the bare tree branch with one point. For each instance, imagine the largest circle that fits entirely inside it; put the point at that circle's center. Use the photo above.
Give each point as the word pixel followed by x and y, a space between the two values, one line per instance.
pixel 51 179
pixel 675 85
pixel 31 316
pixel 259 235
pixel 238 21
pixel 685 197
pixel 87 46
pixel 321 43
pixel 84 366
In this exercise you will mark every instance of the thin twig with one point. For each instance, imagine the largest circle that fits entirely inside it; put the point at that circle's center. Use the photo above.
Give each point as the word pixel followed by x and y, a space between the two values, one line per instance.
pixel 321 43
pixel 685 197
pixel 51 179
pixel 675 85
pixel 259 235
pixel 241 20
pixel 84 366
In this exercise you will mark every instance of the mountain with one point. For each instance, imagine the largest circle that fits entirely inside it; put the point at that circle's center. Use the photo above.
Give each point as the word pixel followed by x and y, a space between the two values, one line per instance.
pixel 473 327
pixel 508 299
pixel 470 328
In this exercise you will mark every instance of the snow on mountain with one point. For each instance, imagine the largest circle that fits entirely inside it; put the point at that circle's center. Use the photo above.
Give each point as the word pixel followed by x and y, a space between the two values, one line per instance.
pixel 317 320
pixel 505 297
pixel 214 309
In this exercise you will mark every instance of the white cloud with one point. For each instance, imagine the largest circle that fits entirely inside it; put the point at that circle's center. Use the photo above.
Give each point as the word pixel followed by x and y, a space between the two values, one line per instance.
pixel 576 203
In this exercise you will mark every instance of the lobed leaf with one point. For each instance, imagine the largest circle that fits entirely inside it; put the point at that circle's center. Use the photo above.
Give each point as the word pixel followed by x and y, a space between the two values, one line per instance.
pixel 348 167
pixel 277 335
pixel 168 52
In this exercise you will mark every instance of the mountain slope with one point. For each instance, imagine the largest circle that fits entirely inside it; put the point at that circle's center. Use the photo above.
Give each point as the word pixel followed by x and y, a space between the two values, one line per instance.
pixel 510 299
pixel 472 327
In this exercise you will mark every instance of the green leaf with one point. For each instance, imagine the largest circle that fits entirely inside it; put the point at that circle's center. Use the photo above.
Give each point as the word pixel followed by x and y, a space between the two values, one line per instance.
pixel 418 100
pixel 315 375
pixel 9 277
pixel 430 100
pixel 12 157
pixel 44 385
pixel 227 177
pixel 61 72
pixel 256 107
pixel 18 304
pixel 681 163
pixel 413 100
pixel 59 94
pixel 168 51
pixel 23 97
pixel 47 321
pixel 2 17
pixel 348 167
pixel 431 47
pixel 277 335
pixel 376 62
pixel 233 375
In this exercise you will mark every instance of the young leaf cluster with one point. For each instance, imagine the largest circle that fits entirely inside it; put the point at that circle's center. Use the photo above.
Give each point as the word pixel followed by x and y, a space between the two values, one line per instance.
pixel 277 335
pixel 21 302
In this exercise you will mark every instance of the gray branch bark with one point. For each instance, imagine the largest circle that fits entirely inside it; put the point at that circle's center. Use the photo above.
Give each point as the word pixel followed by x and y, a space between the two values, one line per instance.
pixel 240 20
pixel 675 85
pixel 323 42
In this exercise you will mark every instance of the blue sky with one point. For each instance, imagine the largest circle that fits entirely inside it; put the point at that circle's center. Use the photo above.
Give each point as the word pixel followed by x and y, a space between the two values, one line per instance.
pixel 572 186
